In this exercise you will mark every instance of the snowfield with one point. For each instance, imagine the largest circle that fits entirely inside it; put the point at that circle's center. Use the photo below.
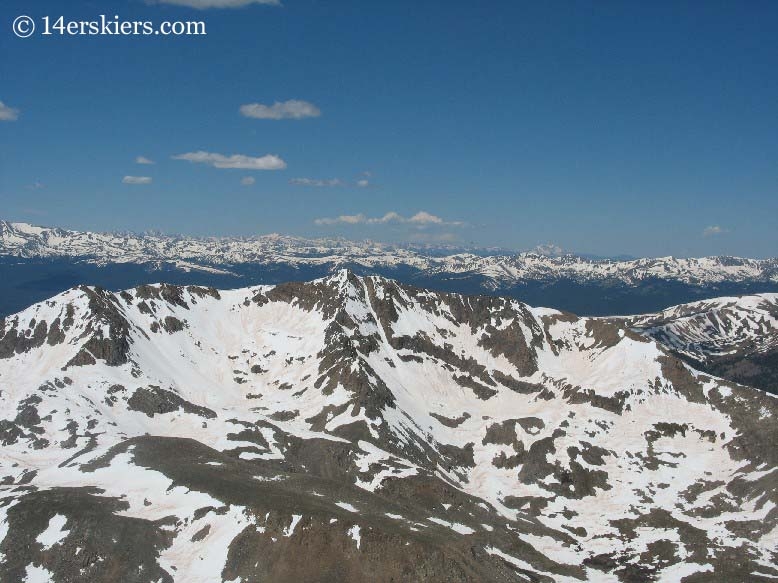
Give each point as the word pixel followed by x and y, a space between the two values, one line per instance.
pixel 188 434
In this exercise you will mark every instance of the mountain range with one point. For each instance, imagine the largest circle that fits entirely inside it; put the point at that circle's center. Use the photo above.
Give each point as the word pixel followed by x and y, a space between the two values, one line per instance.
pixel 731 337
pixel 356 428
pixel 38 262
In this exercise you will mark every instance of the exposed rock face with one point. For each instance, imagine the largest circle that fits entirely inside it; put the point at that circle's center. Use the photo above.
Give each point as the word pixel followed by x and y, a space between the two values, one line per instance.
pixel 354 428
pixel 156 401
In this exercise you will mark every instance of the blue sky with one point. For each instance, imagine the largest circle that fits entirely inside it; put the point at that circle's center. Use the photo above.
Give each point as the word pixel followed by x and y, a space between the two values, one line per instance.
pixel 642 128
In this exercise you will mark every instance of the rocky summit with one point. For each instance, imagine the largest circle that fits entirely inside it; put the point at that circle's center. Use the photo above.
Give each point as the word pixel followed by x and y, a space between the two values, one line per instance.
pixel 357 429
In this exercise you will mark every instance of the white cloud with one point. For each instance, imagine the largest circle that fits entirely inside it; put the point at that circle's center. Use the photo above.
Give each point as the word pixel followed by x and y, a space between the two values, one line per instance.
pixel 714 230
pixel 316 182
pixel 319 183
pixel 292 109
pixel 267 162
pixel 425 218
pixel 342 219
pixel 8 113
pixel 420 219
pixel 247 180
pixel 548 249
pixel 203 4
pixel 143 160
pixel 136 180
pixel 390 217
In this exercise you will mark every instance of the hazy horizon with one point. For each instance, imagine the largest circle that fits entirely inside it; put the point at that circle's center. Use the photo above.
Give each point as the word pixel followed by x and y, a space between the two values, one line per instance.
pixel 629 129
pixel 548 249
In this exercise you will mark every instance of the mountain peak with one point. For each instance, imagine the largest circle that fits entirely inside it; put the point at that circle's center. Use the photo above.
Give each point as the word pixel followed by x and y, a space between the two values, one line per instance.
pixel 357 406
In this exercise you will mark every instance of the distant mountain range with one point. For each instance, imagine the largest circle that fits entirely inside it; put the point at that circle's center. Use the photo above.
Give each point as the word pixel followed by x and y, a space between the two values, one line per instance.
pixel 354 428
pixel 37 262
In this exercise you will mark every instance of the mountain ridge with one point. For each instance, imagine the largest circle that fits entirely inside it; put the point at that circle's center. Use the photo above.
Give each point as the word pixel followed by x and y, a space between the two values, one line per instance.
pixel 731 337
pixel 38 262
pixel 371 425
pixel 25 240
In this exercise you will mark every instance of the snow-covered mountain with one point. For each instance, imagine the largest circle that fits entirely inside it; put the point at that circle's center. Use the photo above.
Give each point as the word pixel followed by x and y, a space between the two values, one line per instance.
pixel 38 262
pixel 732 337
pixel 24 240
pixel 354 428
